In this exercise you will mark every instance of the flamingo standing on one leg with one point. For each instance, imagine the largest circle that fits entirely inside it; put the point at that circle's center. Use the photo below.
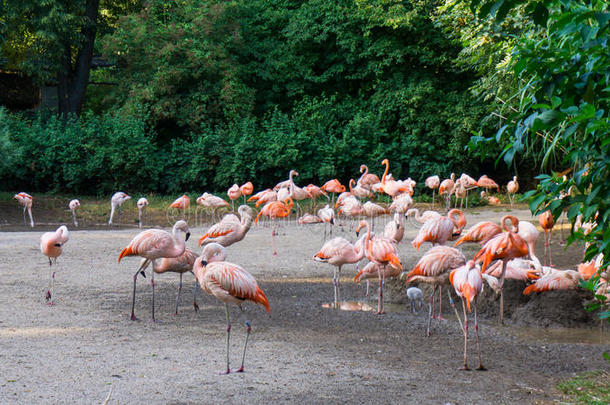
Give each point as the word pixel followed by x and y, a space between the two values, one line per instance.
pixel 246 189
pixel 181 265
pixel 73 205
pixel 234 193
pixel 446 189
pixel 182 203
pixel 26 200
pixel 154 244
pixel 433 182
pixel 333 186
pixel 274 210
pixel 51 244
pixel 547 222
pixel 382 251
pixel 117 201
pixel 468 283
pixel 512 188
pixel 142 204
pixel 327 214
pixel 229 283
pixel 434 268
pixel 505 246
pixel 339 251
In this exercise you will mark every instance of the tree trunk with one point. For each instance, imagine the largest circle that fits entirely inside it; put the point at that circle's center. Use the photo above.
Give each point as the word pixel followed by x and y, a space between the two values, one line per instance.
pixel 72 80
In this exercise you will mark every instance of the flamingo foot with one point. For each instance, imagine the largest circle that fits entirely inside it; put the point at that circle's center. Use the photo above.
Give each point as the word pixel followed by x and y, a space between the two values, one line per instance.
pixel 51 303
pixel 48 295
pixel 133 317
pixel 465 368
pixel 238 370
pixel 380 312
pixel 274 253
pixel 481 368
pixel 227 371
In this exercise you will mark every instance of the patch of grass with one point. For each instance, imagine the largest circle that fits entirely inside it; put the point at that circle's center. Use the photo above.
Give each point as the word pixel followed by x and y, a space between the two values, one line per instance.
pixel 588 388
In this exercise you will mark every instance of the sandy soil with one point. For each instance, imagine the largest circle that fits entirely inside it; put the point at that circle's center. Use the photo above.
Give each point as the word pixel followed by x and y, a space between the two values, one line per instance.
pixel 85 346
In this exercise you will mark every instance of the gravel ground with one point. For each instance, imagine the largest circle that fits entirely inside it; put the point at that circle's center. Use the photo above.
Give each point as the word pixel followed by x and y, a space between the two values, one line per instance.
pixel 85 346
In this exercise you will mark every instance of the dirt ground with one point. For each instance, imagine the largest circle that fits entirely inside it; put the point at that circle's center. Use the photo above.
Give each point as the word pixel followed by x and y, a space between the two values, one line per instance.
pixel 85 346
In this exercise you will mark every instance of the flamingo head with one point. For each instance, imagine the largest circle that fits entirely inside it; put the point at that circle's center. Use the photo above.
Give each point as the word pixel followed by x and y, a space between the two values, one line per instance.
pixel 363 168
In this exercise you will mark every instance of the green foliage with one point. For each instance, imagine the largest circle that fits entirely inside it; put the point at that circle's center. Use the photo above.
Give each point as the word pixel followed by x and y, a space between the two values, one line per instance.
pixel 588 388
pixel 563 113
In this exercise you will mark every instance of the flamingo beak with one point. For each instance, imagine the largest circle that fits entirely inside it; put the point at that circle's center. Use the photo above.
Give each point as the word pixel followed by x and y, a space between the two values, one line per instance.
pixel 357 233
pixel 143 274
pixel 204 263
pixel 188 235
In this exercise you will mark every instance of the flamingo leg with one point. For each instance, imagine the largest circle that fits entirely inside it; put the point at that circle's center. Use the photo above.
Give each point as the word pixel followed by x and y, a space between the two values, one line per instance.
pixel 273 232
pixel 139 218
pixel 335 286
pixel 433 190
pixel 465 337
pixel 550 255
pixel 179 291
pixel 367 288
pixel 430 311
pixel 457 315
pixel 228 335
pixel 31 218
pixel 243 357
pixel 476 333
pixel 382 285
pixel 74 218
pixel 440 303
pixel 51 302
pixel 24 220
pixel 379 292
pixel 48 294
pixel 196 287
pixel 135 279
pixel 339 284
pixel 152 284
pixel 502 292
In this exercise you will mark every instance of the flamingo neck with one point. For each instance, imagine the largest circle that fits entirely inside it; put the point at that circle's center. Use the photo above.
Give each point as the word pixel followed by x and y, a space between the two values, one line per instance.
pixel 351 182
pixel 387 167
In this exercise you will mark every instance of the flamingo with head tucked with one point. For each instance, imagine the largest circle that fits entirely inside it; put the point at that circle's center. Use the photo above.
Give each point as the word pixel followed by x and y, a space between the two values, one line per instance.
pixel 73 206
pixel 182 203
pixel 234 192
pixel 26 200
pixel 142 204
pixel 154 244
pixel 246 189
pixel 433 182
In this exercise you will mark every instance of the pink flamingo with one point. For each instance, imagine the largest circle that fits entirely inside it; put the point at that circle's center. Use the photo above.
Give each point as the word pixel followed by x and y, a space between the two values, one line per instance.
pixel 309 219
pixel 512 188
pixel 491 199
pixel 480 233
pixel 487 183
pixel 117 201
pixel 446 189
pixel 327 214
pixel 547 222
pixel 234 193
pixel 73 206
pixel 401 204
pixel 505 246
pixel 51 245
pixel 422 217
pixel 211 201
pixel 433 182
pixel 154 244
pixel 230 283
pixel 142 204
pixel 26 200
pixel 230 229
pixel 516 269
pixel 274 210
pixel 333 186
pixel 181 265
pixel 266 197
pixel 359 191
pixel 182 203
pixel 555 280
pixel 391 187
pixel 297 193
pixel 434 268
pixel 394 230
pixel 381 251
pixel 246 189
pixel 367 179
pixel 440 230
pixel 338 252
pixel 468 283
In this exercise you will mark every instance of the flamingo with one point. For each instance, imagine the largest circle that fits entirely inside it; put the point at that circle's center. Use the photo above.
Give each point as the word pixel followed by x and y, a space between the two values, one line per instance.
pixel 315 192
pixel 154 244
pixel 367 179
pixel 433 182
pixel 297 193
pixel 512 188
pixel 480 233
pixel 359 191
pixel 73 205
pixel 333 186
pixel 246 189
pixel 51 245
pixel 505 246
pixel 516 269
pixel 264 197
pixel 415 295
pixel 446 189
pixel 327 214
pixel 468 283
pixel 434 268
pixel 487 183
pixel 491 199
pixel 230 283
pixel 529 234
pixel 234 193
pixel 391 187
pixel 142 204
pixel 555 280
pixel 230 229
pixel 382 251
pixel 394 230
pixel 547 222
pixel 181 265
pixel 401 204
pixel 273 210
pixel 460 192
pixel 211 201
pixel 26 200
pixel 468 183
pixel 372 210
pixel 181 203
pixel 440 230
pixel 309 219
pixel 117 200
pixel 372 271
pixel 338 252
pixel 422 217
